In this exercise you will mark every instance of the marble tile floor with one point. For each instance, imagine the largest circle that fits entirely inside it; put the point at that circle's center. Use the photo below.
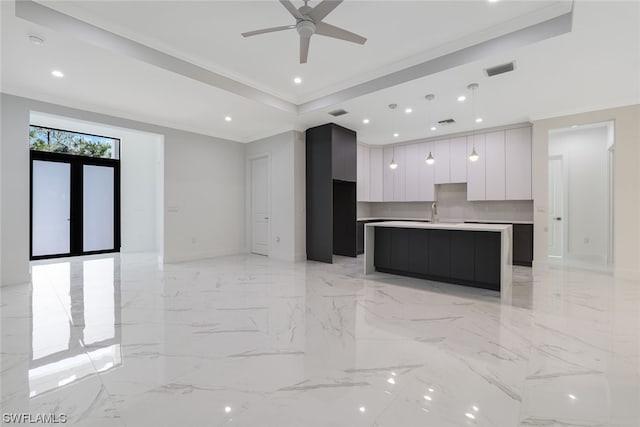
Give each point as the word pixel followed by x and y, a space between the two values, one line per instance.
pixel 247 341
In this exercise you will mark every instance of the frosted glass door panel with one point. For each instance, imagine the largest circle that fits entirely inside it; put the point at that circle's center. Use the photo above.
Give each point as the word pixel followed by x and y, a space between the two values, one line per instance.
pixel 51 208
pixel 97 208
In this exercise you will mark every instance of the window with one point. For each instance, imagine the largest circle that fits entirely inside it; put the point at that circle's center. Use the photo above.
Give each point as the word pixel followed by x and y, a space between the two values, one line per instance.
pixel 76 143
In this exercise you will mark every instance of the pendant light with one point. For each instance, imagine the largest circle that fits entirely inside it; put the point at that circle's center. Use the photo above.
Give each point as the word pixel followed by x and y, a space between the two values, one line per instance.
pixel 474 155
pixel 430 160
pixel 393 165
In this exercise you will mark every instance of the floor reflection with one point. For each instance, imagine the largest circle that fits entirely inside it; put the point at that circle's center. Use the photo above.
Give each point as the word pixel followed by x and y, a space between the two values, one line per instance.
pixel 74 331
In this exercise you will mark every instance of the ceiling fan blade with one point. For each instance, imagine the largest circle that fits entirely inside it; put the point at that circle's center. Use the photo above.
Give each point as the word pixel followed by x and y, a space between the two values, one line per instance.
pixel 292 9
pixel 267 30
pixel 329 30
pixel 323 9
pixel 304 49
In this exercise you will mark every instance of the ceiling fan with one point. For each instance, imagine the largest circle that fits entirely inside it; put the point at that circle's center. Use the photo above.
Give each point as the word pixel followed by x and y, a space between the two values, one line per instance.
pixel 309 22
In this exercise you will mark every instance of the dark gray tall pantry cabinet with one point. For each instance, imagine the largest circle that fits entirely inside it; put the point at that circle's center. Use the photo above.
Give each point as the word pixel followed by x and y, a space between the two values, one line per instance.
pixel 331 192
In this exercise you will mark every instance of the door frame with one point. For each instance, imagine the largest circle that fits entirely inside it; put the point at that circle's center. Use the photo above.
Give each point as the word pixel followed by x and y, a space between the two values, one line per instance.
pixel 76 198
pixel 249 215
pixel 564 235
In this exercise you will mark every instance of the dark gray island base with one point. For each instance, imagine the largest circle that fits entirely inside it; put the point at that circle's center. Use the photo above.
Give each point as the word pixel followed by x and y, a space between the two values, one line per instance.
pixel 477 255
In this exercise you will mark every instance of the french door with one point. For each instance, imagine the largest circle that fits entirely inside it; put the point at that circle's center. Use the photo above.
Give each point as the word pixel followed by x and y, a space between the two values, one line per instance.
pixel 75 205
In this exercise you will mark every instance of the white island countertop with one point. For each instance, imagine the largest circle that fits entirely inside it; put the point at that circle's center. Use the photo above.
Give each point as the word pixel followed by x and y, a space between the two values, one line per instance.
pixel 441 225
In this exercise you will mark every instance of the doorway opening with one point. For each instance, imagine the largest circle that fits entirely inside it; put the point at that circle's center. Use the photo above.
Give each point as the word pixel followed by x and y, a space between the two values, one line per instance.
pixel 580 195
pixel 75 193
pixel 260 230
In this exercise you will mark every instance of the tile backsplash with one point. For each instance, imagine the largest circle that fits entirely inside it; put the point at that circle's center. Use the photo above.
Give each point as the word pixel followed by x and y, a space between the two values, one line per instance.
pixel 452 205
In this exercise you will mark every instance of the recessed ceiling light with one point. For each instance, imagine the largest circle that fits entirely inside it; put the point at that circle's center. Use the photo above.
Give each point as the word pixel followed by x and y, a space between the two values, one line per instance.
pixel 408 110
pixel 572 397
pixel 479 120
pixel 574 126
pixel 297 80
pixel 470 415
pixel 427 397
pixel 365 121
pixel 37 40
pixel 57 73
pixel 433 128
pixel 493 1
pixel 227 118
pixel 395 135
pixel 363 409
pixel 227 409
pixel 462 98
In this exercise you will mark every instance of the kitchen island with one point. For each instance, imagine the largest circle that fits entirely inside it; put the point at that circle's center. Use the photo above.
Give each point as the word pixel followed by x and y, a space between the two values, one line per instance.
pixel 477 255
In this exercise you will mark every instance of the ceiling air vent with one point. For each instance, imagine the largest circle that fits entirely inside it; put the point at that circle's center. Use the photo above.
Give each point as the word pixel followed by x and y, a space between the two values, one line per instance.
pixel 336 113
pixel 500 69
pixel 446 122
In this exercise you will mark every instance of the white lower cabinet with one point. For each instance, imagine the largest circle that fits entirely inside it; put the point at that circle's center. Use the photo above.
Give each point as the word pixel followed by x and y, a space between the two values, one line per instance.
pixel 476 171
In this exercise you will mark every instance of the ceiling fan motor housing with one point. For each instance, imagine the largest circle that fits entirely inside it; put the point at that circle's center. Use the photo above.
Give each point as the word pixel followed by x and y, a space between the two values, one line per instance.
pixel 305 28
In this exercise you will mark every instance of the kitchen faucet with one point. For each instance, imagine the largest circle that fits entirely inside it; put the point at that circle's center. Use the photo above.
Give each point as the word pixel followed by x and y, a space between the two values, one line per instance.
pixel 434 212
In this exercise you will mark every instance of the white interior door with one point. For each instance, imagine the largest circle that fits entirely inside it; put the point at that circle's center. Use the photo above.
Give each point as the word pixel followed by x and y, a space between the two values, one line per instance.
pixel 260 206
pixel 556 207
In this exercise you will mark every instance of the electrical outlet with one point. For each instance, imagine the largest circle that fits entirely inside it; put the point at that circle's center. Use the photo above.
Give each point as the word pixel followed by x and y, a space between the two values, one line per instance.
pixel 278 239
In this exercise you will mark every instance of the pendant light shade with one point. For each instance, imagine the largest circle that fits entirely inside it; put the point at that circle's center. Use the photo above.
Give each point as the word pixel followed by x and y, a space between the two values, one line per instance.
pixel 430 160
pixel 474 155
pixel 393 165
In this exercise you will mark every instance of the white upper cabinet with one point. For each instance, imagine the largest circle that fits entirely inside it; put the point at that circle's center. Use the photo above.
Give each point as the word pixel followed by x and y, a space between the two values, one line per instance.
pixel 412 177
pixel 518 164
pixel 495 165
pixel 458 159
pixel 427 186
pixel 399 174
pixel 387 174
pixel 442 154
pixel 375 174
pixel 502 172
pixel 476 187
pixel 362 175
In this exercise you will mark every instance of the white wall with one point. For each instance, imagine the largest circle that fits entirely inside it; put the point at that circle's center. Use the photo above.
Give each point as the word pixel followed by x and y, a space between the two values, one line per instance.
pixel 286 152
pixel 141 165
pixel 203 187
pixel 584 162
pixel 626 183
